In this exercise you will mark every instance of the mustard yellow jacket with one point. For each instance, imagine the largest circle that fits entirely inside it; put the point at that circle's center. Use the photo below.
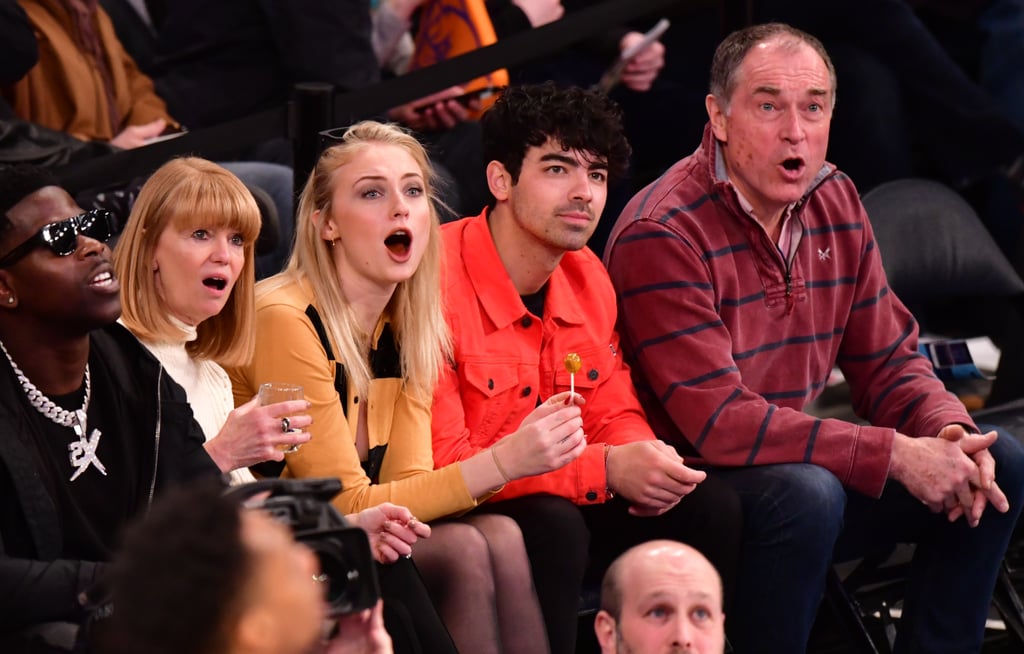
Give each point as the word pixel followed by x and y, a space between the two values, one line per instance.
pixel 289 350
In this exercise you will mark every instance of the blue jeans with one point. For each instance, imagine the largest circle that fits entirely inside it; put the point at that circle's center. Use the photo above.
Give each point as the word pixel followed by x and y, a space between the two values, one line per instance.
pixel 798 518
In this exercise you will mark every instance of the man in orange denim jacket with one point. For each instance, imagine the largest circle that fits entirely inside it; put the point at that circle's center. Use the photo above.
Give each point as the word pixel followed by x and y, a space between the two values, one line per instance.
pixel 522 292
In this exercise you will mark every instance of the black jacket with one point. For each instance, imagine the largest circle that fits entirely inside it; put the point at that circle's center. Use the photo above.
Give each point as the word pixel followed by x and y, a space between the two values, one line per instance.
pixel 35 585
pixel 217 61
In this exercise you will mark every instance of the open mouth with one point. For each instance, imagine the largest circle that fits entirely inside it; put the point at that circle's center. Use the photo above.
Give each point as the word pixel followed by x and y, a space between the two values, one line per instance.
pixel 794 164
pixel 102 279
pixel 218 283
pixel 398 242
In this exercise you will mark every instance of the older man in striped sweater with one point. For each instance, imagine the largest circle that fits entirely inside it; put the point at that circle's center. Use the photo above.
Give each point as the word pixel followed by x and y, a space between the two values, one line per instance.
pixel 744 274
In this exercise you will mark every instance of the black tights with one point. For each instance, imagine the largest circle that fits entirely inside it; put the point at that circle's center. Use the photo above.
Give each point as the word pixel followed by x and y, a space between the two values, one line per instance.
pixel 478 575
pixel 556 541
pixel 409 615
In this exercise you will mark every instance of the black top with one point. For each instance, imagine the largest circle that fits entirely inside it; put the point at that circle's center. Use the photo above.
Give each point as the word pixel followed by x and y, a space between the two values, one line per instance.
pixel 146 416
pixel 91 509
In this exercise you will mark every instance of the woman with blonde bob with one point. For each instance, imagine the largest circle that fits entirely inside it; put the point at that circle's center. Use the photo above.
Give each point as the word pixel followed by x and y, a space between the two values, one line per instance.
pixel 185 261
pixel 356 318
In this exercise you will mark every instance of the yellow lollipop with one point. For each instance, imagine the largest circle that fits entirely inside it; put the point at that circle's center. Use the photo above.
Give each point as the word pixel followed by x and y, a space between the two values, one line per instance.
pixel 572 364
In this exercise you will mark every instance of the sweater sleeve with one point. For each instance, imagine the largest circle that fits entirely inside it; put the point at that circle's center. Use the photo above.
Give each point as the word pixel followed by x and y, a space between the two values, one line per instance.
pixel 43 591
pixel 892 384
pixel 289 350
pixel 670 321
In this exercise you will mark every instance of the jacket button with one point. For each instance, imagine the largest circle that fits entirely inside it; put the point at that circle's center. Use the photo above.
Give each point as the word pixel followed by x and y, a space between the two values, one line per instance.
pixel 526 322
pixel 490 384
pixel 592 375
pixel 526 391
pixel 591 496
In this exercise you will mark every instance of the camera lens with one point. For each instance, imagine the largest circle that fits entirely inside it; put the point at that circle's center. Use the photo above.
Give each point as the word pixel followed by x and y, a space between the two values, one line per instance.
pixel 342 578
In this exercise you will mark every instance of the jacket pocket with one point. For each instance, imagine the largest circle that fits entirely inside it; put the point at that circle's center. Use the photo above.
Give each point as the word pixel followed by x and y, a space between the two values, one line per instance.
pixel 490 396
pixel 490 379
pixel 597 365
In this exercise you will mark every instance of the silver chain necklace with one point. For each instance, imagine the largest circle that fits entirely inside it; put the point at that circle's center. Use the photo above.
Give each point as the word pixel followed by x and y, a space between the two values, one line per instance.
pixel 45 405
pixel 81 453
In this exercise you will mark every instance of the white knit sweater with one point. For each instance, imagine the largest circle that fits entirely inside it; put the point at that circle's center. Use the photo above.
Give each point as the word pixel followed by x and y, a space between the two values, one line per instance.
pixel 206 385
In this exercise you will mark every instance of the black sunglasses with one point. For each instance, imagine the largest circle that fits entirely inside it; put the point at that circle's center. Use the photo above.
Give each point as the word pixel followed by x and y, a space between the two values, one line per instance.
pixel 62 236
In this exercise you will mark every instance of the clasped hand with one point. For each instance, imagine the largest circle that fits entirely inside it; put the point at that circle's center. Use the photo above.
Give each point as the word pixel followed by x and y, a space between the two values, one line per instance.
pixel 954 472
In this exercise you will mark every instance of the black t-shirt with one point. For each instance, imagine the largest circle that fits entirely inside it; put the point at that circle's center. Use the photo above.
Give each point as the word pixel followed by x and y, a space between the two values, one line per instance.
pixel 534 302
pixel 94 507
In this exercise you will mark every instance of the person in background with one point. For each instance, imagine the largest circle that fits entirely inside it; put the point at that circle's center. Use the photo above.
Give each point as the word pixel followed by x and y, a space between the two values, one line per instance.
pixel 240 57
pixel 203 575
pixel 87 85
pixel 661 596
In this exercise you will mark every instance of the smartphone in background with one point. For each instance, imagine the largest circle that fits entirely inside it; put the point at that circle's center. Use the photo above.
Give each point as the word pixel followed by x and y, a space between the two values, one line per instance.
pixel 168 133
pixel 465 99
pixel 612 76
pixel 951 359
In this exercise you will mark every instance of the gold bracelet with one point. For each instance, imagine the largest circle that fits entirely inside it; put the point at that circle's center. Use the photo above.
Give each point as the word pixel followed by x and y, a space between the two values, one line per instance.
pixel 497 464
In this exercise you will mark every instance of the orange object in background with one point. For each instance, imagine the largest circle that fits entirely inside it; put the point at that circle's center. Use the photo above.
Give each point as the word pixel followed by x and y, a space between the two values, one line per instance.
pixel 449 28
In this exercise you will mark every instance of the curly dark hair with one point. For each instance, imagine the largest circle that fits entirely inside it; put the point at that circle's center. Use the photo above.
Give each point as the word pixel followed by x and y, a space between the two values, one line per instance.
pixel 527 116
pixel 178 578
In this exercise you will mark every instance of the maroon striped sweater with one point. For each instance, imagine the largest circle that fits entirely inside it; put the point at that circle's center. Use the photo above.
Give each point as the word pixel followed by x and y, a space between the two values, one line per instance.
pixel 728 344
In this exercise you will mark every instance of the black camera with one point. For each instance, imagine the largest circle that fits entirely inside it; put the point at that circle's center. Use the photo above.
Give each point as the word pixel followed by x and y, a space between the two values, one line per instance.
pixel 347 567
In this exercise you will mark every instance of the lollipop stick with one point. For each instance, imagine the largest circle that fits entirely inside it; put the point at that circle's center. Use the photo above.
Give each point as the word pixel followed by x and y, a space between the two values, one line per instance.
pixel 572 387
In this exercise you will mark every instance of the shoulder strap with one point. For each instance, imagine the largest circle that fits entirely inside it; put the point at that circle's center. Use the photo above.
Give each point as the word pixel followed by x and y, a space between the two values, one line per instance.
pixel 340 380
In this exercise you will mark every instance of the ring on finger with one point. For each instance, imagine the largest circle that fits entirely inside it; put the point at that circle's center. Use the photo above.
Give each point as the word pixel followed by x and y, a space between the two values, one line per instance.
pixel 286 425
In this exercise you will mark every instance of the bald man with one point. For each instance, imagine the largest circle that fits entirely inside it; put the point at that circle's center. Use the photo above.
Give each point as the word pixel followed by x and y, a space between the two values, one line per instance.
pixel 661 597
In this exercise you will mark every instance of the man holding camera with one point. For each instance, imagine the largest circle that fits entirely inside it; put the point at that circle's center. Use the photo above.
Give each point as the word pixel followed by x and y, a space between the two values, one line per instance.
pixel 203 574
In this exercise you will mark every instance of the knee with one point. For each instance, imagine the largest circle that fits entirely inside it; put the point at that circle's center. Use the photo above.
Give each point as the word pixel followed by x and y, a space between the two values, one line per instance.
pixel 562 524
pixel 469 562
pixel 1008 453
pixel 799 502
pixel 503 536
pixel 716 502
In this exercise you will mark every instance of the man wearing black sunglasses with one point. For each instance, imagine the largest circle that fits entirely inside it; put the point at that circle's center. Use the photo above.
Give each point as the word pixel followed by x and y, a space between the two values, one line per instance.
pixel 90 427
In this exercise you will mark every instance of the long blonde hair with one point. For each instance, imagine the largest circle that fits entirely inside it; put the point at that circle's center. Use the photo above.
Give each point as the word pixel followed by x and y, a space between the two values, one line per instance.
pixel 415 309
pixel 185 193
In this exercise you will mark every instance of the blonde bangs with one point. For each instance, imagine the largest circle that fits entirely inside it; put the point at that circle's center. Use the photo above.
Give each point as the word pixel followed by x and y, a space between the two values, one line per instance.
pixel 189 193
pixel 216 201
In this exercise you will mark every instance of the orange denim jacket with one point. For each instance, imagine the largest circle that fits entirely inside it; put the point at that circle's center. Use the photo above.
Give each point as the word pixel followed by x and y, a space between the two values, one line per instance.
pixel 507 360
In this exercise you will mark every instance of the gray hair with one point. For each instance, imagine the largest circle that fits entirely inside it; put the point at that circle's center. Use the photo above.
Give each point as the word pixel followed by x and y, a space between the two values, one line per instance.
pixel 733 50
